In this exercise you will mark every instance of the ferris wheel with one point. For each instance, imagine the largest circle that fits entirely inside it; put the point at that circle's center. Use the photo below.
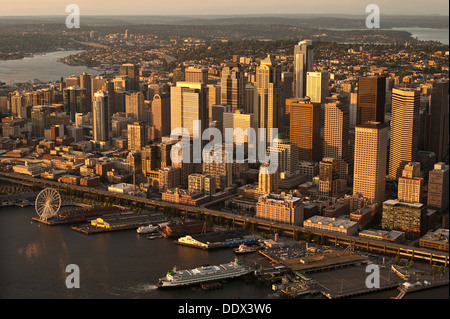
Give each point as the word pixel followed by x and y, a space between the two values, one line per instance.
pixel 47 203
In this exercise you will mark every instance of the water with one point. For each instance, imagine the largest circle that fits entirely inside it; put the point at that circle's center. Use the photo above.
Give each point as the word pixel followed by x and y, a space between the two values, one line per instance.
pixel 113 265
pixel 44 67
pixel 428 34
pixel 121 264
pixel 422 34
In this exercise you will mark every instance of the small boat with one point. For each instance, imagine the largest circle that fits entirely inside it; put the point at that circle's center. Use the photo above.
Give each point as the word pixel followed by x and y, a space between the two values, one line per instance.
pixel 243 248
pixel 146 229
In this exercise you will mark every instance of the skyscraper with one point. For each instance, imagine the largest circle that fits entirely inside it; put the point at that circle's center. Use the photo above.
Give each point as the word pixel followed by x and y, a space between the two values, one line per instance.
pixel 100 117
pixel 39 120
pixel 336 135
pixel 303 63
pixel 317 86
pixel 369 179
pixel 437 135
pixel 328 178
pixel 270 98
pixel 75 101
pixel 371 99
pixel 161 115
pixel 188 103
pixel 287 154
pixel 134 106
pixel 137 136
pixel 86 83
pixel 132 72
pixel 196 75
pixel 305 128
pixel 438 187
pixel 404 130
pixel 232 85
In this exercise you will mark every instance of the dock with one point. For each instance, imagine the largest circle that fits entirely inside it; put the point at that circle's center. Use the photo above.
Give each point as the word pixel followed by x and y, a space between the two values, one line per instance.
pixel 119 222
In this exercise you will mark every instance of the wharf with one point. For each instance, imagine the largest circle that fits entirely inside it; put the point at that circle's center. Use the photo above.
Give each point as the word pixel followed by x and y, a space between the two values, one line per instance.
pixel 218 239
pixel 119 222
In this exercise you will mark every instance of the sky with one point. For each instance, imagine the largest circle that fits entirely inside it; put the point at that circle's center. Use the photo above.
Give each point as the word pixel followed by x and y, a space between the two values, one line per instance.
pixel 205 7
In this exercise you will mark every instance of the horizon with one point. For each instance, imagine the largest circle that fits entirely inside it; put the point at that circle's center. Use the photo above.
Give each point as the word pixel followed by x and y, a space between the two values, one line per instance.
pixel 231 7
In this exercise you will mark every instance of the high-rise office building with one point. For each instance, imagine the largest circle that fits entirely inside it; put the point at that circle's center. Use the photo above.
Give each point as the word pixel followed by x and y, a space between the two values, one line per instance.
pixel 328 178
pixel 86 83
pixel 137 136
pixel 220 169
pixel 287 154
pixel 410 184
pixel 267 180
pixel 75 101
pixel 188 103
pixel 161 115
pixel 371 99
pixel 303 63
pixel 73 80
pixel 213 97
pixel 436 135
pixel 317 86
pixel 369 177
pixel 270 98
pixel 238 119
pixel 305 128
pixel 336 133
pixel 196 75
pixel 135 106
pixel 438 187
pixel 202 182
pixel 39 120
pixel 232 85
pixel 404 130
pixel 100 117
pixel 132 72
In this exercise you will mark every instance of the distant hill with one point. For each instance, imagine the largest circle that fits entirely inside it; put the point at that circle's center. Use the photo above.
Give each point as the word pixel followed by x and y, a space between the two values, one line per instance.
pixel 329 21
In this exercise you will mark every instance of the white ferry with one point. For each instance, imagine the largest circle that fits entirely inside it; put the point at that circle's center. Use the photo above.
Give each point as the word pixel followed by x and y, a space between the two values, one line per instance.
pixel 177 278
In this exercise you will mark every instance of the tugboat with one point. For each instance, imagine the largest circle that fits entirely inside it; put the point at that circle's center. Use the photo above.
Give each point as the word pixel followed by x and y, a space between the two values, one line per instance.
pixel 243 249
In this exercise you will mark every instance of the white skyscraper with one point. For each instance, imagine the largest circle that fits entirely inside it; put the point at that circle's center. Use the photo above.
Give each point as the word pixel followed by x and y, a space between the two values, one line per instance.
pixel 303 63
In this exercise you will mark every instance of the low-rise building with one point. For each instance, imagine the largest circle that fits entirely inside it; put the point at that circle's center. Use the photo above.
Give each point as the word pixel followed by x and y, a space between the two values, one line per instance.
pixel 435 240
pixel 392 236
pixel 282 208
pixel 340 225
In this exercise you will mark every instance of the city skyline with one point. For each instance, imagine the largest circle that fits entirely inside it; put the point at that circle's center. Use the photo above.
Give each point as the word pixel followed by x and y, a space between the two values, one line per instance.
pixel 322 150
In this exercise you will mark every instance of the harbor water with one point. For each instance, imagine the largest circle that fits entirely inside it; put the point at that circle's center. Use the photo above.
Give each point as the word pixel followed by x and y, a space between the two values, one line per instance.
pixel 121 264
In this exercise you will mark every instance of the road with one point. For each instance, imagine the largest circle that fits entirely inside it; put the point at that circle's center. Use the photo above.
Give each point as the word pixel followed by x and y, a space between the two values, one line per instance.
pixel 336 238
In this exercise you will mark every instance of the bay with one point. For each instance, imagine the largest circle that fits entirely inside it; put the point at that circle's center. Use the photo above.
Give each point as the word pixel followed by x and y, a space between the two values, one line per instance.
pixel 427 34
pixel 44 67
pixel 121 264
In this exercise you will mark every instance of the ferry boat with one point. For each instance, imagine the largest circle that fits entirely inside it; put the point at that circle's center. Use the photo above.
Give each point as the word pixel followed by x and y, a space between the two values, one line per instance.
pixel 146 229
pixel 243 249
pixel 178 278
